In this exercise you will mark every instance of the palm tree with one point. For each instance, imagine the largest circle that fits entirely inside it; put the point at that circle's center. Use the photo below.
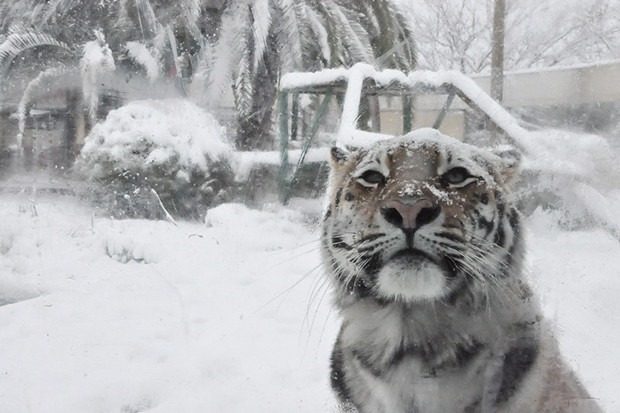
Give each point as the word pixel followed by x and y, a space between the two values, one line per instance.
pixel 62 27
pixel 246 43
pixel 261 39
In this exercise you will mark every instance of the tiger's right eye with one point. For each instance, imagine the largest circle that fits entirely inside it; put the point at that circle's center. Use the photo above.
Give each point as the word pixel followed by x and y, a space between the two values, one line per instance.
pixel 371 178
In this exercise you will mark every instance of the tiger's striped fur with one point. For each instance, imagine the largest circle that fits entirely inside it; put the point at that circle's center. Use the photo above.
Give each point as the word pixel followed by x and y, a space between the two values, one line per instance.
pixel 424 248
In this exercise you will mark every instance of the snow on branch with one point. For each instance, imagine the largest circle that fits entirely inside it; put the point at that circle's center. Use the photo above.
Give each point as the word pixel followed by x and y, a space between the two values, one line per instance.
pixel 18 42
pixel 96 61
pixel 141 55
pixel 43 80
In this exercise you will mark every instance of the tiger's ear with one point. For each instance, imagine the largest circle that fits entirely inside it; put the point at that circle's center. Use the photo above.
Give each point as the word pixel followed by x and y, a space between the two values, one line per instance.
pixel 339 156
pixel 510 161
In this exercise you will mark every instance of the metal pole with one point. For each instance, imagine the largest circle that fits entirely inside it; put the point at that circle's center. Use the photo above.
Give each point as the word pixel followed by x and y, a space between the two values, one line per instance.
pixel 407 118
pixel 283 100
pixel 295 116
pixel 315 127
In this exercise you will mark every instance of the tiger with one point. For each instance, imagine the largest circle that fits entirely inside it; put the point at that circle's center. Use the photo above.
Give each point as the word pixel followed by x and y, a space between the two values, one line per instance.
pixel 423 244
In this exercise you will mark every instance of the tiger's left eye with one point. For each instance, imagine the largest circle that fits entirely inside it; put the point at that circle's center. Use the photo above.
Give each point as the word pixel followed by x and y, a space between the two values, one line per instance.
pixel 456 175
pixel 371 178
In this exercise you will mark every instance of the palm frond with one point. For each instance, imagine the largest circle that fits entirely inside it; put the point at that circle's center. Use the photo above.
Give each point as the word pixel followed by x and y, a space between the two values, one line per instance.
pixel 40 84
pixel 334 38
pixel 149 25
pixel 389 31
pixel 57 8
pixel 243 88
pixel 228 52
pixel 261 22
pixel 321 37
pixel 190 13
pixel 17 43
pixel 140 54
pixel 403 41
pixel 352 40
pixel 292 34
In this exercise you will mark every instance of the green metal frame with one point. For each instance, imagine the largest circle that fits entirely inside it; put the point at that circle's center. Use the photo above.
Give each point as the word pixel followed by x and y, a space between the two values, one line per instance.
pixel 444 110
pixel 288 175
pixel 285 185
pixel 283 103
pixel 407 113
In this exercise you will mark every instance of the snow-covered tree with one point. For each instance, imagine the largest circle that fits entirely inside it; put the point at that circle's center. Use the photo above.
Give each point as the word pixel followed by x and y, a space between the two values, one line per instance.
pixel 456 34
pixel 94 59
pixel 95 63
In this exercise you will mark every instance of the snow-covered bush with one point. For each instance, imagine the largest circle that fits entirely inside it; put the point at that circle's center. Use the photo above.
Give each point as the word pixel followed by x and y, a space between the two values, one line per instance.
pixel 573 174
pixel 156 156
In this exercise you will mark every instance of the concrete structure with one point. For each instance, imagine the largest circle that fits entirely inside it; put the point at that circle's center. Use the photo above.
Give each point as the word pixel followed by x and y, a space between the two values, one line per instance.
pixel 587 84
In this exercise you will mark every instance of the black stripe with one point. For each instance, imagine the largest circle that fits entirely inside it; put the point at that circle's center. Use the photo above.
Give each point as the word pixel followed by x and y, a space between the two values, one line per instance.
pixel 450 264
pixel 450 236
pixel 500 236
pixel 337 200
pixel 463 355
pixel 515 224
pixel 485 224
pixel 459 293
pixel 513 221
pixel 517 363
pixel 337 376
pixel 473 407
pixel 481 222
pixel 365 362
pixel 359 288
pixel 338 242
pixel 372 237
pixel 373 265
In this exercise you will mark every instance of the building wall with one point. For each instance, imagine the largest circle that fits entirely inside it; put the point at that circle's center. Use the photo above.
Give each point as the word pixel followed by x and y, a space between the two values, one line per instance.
pixel 599 83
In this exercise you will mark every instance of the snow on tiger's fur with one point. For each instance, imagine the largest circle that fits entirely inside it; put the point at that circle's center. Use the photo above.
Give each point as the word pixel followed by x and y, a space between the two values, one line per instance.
pixel 423 245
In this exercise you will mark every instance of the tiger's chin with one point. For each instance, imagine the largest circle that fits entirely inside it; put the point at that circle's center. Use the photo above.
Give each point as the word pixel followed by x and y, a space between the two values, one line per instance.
pixel 411 277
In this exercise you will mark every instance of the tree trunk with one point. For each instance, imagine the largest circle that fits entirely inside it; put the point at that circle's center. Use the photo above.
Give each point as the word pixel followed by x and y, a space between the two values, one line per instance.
pixel 497 51
pixel 72 111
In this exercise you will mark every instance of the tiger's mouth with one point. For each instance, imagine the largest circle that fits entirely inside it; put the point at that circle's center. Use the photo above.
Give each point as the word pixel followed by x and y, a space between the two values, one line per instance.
pixel 411 275
pixel 412 256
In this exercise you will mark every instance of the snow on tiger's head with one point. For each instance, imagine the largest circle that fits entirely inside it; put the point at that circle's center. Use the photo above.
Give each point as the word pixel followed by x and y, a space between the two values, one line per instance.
pixel 418 217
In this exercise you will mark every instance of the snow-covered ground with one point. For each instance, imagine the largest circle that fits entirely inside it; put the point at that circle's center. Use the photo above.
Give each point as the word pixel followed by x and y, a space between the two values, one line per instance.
pixel 230 315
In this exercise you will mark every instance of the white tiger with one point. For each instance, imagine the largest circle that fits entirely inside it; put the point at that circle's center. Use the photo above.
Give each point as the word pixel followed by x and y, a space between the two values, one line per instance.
pixel 424 249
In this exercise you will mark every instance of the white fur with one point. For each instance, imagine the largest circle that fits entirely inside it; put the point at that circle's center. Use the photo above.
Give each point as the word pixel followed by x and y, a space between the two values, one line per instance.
pixel 411 283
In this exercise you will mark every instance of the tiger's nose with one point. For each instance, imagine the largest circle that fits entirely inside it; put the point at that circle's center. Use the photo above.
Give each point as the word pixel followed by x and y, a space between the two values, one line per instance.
pixel 409 215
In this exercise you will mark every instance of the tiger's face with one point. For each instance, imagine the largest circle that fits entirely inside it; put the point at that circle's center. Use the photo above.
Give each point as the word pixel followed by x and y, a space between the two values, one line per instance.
pixel 419 218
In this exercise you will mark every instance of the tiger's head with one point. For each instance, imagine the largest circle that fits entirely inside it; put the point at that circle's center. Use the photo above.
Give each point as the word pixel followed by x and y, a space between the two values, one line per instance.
pixel 421 217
